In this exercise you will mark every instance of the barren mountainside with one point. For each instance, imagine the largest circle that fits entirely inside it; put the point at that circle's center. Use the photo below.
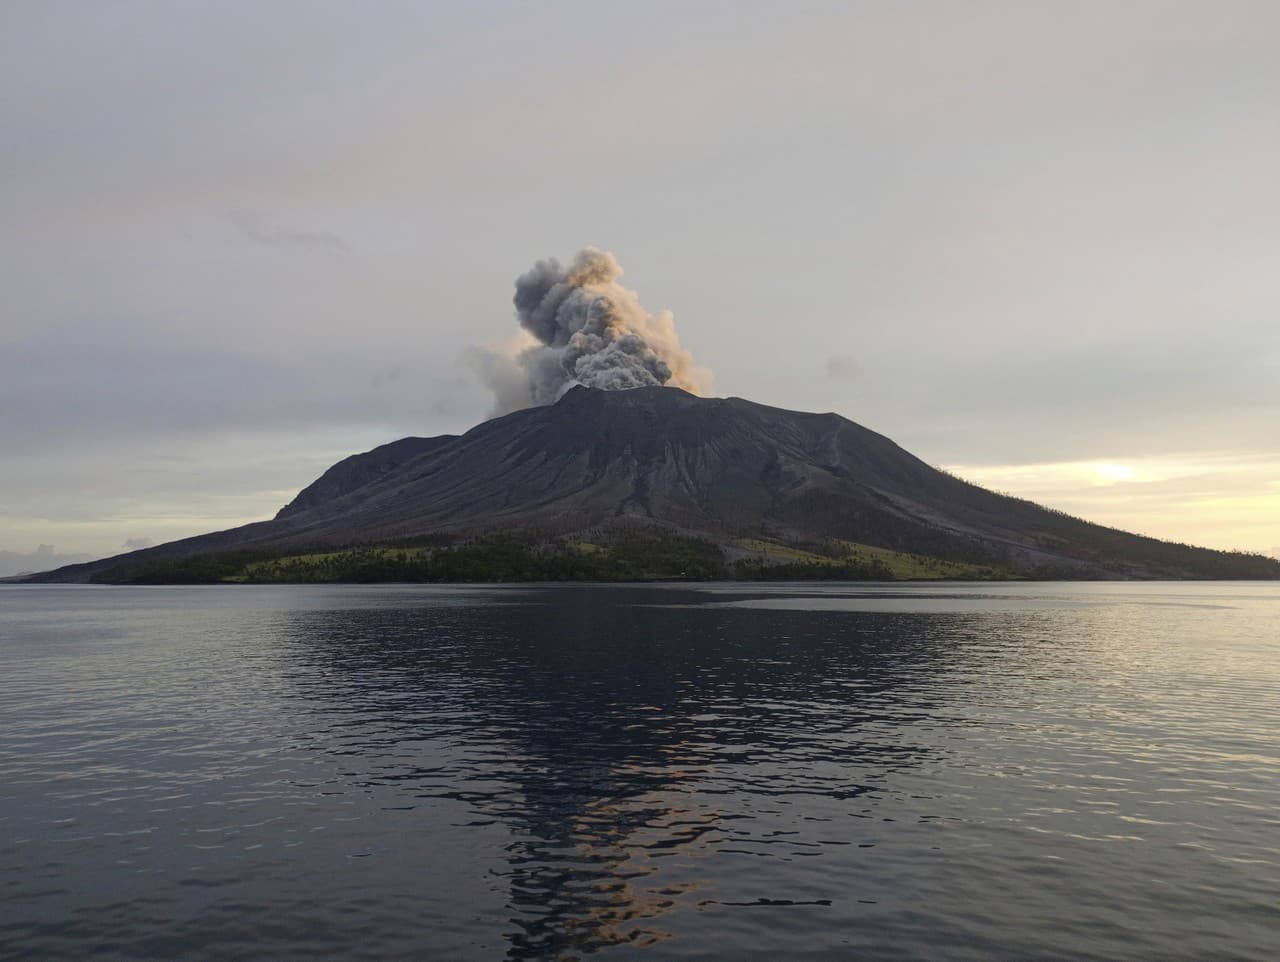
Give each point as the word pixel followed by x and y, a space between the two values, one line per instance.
pixel 720 468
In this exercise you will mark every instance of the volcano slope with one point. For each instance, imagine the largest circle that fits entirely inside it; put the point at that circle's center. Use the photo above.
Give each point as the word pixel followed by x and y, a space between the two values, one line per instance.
pixel 724 469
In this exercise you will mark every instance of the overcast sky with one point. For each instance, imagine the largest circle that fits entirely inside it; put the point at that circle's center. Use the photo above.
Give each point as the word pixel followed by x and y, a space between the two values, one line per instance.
pixel 1036 243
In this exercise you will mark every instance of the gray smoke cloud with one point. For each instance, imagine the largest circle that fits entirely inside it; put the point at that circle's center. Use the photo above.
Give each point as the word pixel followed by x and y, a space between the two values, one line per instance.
pixel 580 326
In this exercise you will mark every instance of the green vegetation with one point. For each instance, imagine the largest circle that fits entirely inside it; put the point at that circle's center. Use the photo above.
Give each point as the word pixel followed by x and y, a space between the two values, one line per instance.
pixel 629 555
pixel 756 569
pixel 195 570
pixel 848 560
pixel 625 554
pixel 361 565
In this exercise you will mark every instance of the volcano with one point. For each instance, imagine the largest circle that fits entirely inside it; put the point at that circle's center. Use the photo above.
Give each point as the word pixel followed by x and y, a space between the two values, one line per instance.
pixel 726 470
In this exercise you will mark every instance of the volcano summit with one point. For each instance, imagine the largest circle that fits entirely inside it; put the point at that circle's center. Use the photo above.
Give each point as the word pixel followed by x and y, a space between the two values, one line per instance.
pixel 773 489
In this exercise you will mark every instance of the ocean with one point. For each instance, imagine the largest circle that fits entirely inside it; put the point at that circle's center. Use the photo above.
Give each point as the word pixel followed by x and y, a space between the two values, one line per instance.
pixel 729 771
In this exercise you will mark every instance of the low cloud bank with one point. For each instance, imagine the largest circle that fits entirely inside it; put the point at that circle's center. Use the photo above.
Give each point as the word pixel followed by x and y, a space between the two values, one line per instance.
pixel 43 558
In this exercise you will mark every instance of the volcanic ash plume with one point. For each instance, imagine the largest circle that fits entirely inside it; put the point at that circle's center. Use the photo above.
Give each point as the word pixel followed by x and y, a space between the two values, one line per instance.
pixel 583 327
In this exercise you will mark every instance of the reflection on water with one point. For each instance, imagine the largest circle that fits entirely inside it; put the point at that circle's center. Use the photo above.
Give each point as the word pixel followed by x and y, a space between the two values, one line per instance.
pixel 551 773
pixel 606 736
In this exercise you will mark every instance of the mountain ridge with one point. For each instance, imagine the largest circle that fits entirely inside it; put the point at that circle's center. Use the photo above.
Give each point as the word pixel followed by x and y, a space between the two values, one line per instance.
pixel 722 469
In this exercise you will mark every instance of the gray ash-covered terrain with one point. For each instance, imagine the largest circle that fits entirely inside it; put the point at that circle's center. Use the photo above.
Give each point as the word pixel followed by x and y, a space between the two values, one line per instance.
pixel 724 469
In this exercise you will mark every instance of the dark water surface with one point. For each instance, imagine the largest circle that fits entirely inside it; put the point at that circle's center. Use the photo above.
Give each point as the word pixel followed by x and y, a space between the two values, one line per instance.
pixel 788 772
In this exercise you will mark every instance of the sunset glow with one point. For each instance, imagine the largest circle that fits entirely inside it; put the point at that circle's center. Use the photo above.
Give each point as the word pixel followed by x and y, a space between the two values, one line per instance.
pixel 1222 500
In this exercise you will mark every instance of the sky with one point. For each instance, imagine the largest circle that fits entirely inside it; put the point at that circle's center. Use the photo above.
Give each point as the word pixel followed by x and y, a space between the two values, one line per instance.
pixel 1035 244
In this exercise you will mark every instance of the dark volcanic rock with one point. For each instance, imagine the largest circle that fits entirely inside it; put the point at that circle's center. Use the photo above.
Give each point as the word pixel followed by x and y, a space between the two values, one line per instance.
pixel 721 467
pixel 360 469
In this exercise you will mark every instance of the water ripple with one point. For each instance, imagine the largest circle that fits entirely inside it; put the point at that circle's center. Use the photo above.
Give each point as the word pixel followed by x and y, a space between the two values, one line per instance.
pixel 800 772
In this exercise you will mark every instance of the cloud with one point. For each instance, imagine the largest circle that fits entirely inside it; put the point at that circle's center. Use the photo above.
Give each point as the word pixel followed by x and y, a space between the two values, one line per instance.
pixel 842 367
pixel 1128 397
pixel 43 558
pixel 104 383
pixel 1219 499
pixel 255 227
pixel 136 544
pixel 1018 243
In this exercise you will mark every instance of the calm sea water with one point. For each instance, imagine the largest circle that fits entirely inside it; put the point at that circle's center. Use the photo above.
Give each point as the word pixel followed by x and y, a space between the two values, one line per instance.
pixel 735 772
